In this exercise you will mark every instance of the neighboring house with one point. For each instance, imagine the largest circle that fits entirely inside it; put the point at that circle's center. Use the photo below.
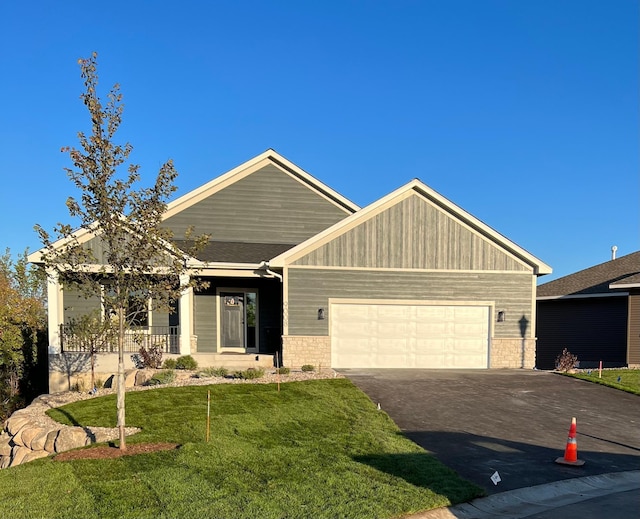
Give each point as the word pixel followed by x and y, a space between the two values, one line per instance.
pixel 594 313
pixel 410 281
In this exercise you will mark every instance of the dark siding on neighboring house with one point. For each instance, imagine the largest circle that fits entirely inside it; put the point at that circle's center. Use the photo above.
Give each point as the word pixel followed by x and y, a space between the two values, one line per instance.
pixel 267 206
pixel 594 329
pixel 634 328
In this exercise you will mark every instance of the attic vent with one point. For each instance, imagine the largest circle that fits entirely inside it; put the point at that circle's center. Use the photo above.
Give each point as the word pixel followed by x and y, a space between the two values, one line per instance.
pixel 613 252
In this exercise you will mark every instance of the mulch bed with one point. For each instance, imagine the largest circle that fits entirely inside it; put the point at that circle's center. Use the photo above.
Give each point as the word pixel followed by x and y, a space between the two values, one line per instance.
pixel 108 452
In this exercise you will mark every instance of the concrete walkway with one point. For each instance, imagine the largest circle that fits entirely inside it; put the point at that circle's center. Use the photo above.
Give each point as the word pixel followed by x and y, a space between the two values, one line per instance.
pixel 591 497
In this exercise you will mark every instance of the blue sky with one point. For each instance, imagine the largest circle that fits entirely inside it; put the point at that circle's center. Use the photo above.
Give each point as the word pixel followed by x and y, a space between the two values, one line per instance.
pixel 523 112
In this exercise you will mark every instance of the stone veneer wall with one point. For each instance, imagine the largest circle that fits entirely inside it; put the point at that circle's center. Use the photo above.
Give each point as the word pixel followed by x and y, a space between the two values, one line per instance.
pixel 298 350
pixel 507 353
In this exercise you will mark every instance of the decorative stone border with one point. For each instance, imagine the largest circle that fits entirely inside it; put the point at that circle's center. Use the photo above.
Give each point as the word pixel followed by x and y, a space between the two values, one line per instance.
pixel 30 434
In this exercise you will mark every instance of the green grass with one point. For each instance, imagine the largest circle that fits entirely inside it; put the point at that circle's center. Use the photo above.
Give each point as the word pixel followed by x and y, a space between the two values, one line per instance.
pixel 629 378
pixel 316 449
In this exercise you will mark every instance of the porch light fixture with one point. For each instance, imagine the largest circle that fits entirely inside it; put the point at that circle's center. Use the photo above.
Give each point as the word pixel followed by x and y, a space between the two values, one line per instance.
pixel 502 316
pixel 321 313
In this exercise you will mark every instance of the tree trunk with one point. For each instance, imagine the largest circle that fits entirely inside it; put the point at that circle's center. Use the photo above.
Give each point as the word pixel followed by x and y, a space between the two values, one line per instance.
pixel 121 391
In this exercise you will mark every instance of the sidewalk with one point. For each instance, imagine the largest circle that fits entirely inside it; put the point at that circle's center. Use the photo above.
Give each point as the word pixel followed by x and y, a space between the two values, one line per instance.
pixel 547 501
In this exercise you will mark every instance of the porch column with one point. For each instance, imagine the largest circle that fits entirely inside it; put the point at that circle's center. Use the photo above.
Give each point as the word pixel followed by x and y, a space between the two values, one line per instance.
pixel 54 311
pixel 186 316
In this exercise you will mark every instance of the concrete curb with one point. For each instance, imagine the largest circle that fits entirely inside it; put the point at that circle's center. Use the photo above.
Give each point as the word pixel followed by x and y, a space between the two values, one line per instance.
pixel 523 502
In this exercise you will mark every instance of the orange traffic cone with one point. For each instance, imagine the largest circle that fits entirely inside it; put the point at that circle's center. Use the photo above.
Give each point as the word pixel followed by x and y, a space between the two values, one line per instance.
pixel 571 450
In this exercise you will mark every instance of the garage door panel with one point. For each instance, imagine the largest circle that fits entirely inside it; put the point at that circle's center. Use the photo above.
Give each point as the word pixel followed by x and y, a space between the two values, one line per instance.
pixel 409 336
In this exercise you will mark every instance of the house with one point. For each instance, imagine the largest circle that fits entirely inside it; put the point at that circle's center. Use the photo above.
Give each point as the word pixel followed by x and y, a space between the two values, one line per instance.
pixel 410 281
pixel 594 313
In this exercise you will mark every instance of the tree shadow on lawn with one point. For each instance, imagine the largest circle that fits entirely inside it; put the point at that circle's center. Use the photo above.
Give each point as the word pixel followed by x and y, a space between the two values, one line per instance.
pixel 519 464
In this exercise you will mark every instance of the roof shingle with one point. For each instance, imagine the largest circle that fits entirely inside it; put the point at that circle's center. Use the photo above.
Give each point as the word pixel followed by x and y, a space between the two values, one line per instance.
pixel 594 280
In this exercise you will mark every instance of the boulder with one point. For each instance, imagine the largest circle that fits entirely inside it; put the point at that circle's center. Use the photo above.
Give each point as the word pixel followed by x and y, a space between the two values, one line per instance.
pixel 143 376
pixel 50 442
pixel 39 440
pixel 34 455
pixel 16 422
pixel 5 461
pixel 129 378
pixel 18 454
pixel 26 436
pixel 71 438
pixel 5 445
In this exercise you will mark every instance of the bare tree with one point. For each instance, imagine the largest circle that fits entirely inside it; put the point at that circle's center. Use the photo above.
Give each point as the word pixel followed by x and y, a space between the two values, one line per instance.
pixel 134 267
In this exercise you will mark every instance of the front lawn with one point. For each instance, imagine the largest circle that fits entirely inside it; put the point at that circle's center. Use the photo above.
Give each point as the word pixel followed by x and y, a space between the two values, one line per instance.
pixel 624 379
pixel 317 449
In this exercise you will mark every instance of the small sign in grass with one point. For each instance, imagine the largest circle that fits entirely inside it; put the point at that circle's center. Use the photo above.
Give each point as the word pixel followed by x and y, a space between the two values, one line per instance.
pixel 624 379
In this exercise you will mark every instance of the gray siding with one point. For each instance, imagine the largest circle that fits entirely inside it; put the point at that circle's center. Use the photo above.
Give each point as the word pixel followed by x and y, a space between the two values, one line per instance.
pixel 76 305
pixel 204 315
pixel 414 233
pixel 310 289
pixel 268 206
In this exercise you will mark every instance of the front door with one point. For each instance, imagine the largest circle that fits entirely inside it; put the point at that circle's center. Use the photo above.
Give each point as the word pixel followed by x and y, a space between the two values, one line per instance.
pixel 238 328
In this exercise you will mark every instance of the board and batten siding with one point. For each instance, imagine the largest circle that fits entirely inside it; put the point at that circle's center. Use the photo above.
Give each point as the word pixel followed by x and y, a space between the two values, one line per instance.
pixel 267 206
pixel 310 289
pixel 414 233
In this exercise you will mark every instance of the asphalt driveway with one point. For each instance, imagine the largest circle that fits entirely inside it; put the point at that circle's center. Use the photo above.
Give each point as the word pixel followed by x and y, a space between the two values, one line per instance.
pixel 515 422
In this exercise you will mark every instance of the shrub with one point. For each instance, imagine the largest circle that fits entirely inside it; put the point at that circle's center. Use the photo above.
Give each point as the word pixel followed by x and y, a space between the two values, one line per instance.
pixel 249 374
pixel 214 372
pixel 283 371
pixel 169 364
pixel 186 362
pixel 99 383
pixel 162 377
pixel 566 361
pixel 152 357
pixel 79 386
pixel 308 367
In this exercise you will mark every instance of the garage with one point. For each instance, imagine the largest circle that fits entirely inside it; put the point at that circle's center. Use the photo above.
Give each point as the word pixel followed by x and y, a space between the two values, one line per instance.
pixel 405 335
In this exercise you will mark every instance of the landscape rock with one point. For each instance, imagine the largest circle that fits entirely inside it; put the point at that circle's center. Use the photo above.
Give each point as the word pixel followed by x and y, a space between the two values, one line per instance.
pixel 40 440
pixel 5 445
pixel 16 423
pixel 71 438
pixel 18 454
pixel 34 455
pixel 26 436
pixel 143 376
pixel 50 442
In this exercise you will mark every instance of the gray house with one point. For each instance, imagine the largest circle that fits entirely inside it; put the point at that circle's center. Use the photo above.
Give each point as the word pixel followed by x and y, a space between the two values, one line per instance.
pixel 594 313
pixel 410 281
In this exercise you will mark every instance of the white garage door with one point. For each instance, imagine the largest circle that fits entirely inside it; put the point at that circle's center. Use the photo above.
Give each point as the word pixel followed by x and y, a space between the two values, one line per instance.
pixel 409 336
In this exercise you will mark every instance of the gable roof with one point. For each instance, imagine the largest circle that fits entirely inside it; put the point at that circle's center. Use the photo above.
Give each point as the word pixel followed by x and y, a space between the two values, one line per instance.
pixel 413 187
pixel 216 252
pixel 270 156
pixel 599 279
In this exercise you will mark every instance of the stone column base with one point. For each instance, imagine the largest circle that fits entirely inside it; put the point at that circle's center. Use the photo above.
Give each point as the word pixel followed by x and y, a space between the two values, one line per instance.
pixel 513 353
pixel 298 350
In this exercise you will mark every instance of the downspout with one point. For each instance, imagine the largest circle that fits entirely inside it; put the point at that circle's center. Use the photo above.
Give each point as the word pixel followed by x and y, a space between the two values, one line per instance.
pixel 265 265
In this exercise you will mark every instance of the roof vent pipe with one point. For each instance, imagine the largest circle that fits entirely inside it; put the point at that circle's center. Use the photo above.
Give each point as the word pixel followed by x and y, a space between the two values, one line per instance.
pixel 613 252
